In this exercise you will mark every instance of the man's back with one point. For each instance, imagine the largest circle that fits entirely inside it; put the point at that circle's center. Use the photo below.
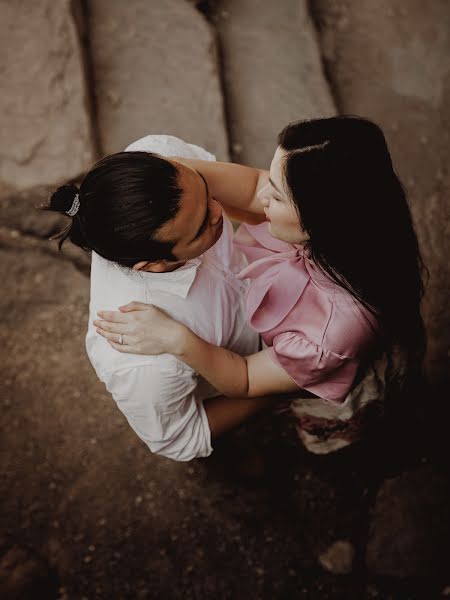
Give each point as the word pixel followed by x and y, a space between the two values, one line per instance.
pixel 161 397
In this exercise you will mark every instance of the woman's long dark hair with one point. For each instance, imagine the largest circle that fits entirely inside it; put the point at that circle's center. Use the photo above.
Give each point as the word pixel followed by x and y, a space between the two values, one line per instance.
pixel 350 201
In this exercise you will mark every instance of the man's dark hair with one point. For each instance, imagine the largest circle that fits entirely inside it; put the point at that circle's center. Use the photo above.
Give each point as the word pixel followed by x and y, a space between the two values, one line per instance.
pixel 124 200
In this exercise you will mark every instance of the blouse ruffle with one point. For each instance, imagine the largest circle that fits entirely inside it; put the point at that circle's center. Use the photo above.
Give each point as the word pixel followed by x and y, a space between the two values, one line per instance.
pixel 313 368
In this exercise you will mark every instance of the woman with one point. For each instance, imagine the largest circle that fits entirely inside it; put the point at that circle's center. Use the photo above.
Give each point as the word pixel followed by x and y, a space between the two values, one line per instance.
pixel 336 285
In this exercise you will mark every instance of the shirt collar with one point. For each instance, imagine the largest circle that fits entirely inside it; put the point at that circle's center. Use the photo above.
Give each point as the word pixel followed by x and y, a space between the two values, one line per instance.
pixel 176 282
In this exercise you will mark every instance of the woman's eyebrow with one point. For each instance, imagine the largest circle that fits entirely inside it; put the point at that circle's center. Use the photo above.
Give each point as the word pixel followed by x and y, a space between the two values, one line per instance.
pixel 274 186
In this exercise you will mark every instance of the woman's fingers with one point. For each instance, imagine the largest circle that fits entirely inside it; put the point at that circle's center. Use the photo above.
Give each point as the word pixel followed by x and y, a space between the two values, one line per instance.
pixel 126 349
pixel 114 340
pixel 112 315
pixel 108 326
pixel 134 306
pixel 113 337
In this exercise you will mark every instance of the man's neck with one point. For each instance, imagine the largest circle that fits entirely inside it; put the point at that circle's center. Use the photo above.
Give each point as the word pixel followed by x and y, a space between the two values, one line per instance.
pixel 174 267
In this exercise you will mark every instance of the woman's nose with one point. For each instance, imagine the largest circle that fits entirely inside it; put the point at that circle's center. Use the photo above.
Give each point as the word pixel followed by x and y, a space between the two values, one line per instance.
pixel 215 212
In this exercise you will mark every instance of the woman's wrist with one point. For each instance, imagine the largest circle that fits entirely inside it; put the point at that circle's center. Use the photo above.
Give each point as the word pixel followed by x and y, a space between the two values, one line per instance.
pixel 180 340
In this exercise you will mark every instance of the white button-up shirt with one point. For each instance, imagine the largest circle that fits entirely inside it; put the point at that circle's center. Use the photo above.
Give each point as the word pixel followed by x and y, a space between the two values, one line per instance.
pixel 161 397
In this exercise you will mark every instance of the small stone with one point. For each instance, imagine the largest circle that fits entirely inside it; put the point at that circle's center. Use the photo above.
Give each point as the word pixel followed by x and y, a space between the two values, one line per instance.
pixel 138 500
pixel 87 558
pixel 446 591
pixel 338 558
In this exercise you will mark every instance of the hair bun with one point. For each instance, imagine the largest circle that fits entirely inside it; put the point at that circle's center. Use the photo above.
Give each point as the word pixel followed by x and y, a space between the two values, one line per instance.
pixel 62 199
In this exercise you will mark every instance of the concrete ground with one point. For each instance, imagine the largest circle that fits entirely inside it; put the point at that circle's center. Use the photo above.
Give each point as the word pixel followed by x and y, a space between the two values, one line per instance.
pixel 89 512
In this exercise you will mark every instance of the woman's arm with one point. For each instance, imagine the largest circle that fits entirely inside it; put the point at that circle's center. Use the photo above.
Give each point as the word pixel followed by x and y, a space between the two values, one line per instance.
pixel 226 413
pixel 230 373
pixel 149 330
pixel 230 184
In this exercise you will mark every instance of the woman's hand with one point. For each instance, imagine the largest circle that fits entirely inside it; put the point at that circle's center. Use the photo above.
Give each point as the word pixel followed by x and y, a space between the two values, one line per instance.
pixel 142 329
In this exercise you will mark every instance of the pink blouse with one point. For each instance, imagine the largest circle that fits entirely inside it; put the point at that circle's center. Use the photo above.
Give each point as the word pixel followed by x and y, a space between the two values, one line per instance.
pixel 317 332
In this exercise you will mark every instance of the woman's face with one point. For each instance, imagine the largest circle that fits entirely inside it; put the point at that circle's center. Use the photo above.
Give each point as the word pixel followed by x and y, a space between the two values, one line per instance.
pixel 284 222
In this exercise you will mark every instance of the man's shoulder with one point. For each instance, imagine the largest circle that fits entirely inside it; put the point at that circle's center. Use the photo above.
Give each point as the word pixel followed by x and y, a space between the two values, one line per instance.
pixel 169 145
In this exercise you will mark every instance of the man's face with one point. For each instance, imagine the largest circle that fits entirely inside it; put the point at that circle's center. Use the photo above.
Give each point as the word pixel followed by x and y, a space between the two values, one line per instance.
pixel 197 225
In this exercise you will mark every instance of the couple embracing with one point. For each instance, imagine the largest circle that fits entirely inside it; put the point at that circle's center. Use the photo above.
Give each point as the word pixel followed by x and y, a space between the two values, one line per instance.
pixel 314 301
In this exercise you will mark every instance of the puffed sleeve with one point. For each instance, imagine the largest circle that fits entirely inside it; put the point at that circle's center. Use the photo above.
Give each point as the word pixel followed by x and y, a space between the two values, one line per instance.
pixel 313 368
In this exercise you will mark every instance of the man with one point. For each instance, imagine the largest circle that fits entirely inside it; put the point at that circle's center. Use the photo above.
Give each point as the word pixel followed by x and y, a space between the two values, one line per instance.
pixel 170 407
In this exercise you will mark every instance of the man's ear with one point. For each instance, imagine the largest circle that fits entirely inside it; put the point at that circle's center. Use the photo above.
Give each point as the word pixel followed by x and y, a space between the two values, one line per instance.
pixel 153 267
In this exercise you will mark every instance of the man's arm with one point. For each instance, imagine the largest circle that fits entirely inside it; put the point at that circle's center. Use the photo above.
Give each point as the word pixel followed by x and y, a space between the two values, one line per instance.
pixel 230 184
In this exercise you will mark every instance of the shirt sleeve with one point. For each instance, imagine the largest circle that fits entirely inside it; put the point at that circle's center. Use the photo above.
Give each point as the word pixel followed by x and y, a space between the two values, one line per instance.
pixel 313 368
pixel 161 406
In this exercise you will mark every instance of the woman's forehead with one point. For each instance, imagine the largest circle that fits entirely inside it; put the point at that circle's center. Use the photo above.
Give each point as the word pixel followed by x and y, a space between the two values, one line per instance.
pixel 276 167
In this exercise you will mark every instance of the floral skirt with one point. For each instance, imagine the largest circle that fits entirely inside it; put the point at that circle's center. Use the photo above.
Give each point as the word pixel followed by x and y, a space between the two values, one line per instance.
pixel 325 426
